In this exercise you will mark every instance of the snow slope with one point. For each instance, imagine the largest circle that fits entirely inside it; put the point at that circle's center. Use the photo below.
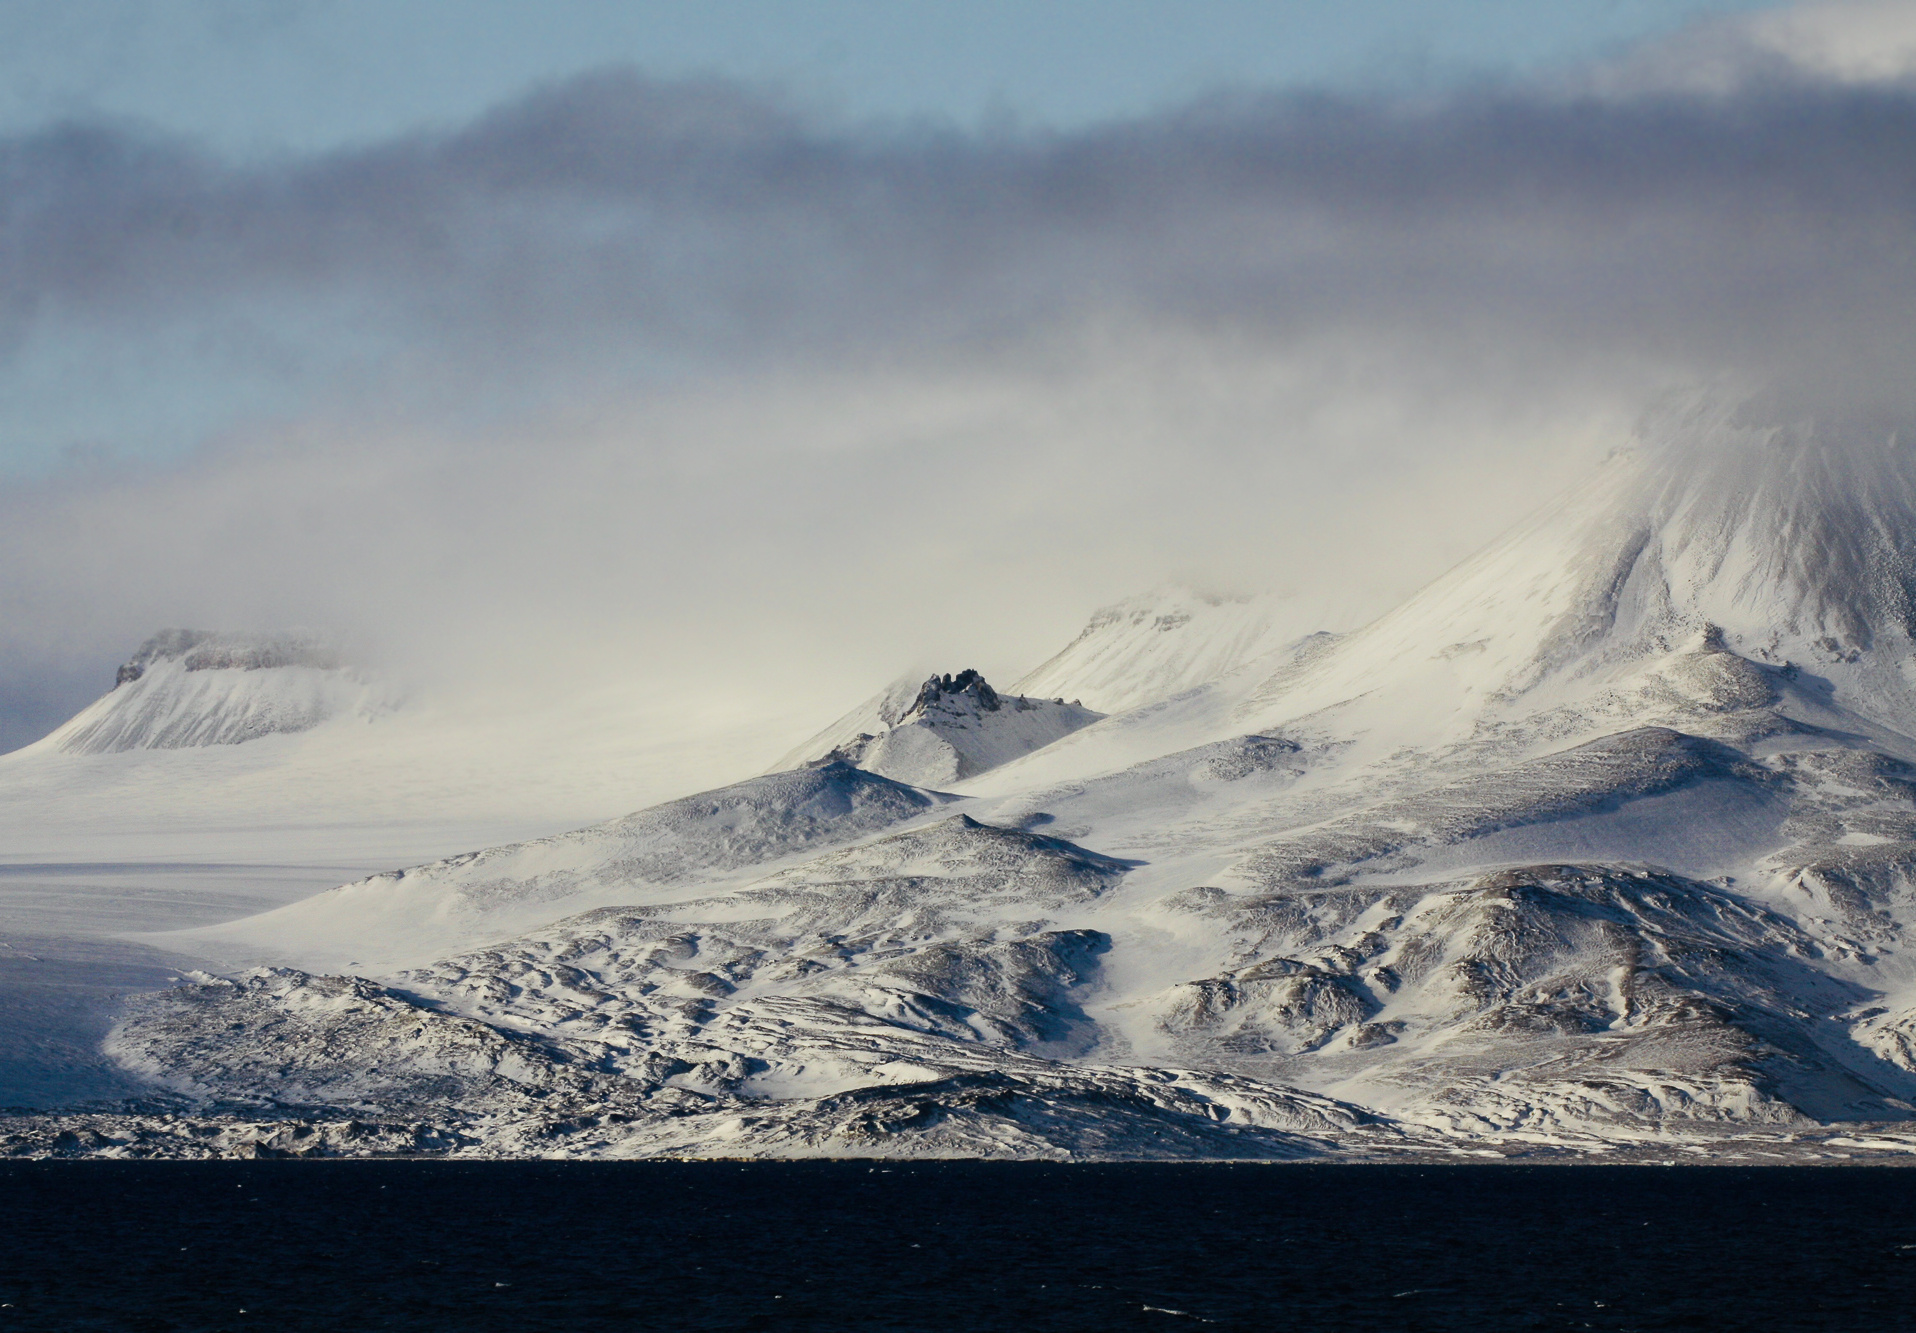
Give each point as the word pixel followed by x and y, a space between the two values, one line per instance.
pixel 407 777
pixel 1782 544
pixel 874 717
pixel 413 916
pixel 1164 642
pixel 1606 838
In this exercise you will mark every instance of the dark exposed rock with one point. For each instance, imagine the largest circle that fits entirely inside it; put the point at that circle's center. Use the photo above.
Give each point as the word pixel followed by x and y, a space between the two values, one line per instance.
pixel 208 650
pixel 967 681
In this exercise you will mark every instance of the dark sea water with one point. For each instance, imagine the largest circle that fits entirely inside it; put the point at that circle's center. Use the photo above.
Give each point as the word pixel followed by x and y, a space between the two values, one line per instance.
pixel 589 1246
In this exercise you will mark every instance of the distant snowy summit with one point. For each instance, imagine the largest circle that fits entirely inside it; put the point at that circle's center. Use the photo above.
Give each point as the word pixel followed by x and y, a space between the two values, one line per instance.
pixel 208 650
pixel 947 729
pixel 1136 652
pixel 186 688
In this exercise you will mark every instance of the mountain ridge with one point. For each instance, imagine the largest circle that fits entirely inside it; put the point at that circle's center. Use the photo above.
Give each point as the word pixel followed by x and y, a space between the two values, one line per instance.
pixel 1605 839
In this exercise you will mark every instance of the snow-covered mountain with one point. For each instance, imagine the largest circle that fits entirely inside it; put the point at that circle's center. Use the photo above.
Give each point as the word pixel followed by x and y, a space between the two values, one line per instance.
pixel 188 688
pixel 1780 544
pixel 946 730
pixel 1605 841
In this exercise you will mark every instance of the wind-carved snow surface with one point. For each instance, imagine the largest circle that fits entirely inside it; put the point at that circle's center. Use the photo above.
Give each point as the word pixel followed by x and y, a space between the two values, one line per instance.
pixel 189 688
pixel 1162 643
pixel 1603 843
pixel 412 916
pixel 946 730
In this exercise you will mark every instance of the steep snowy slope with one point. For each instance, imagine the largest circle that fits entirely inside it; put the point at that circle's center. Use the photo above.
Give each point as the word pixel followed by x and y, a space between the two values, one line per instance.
pixel 951 728
pixel 1607 837
pixel 1165 642
pixel 1695 670
pixel 187 688
pixel 874 717
pixel 1784 543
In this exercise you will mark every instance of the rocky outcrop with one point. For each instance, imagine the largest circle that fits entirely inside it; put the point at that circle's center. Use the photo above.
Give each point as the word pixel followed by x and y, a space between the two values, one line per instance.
pixel 954 728
pixel 206 650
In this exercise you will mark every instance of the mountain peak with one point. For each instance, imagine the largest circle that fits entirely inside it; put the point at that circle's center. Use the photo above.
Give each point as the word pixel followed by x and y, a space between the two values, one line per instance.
pixel 1786 538
pixel 954 727
pixel 1796 526
pixel 185 688
pixel 967 688
pixel 211 650
pixel 1606 838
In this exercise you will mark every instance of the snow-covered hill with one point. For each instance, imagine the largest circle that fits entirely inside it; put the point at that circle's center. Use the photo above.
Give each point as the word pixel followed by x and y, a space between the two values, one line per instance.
pixel 408 917
pixel 946 730
pixel 1606 838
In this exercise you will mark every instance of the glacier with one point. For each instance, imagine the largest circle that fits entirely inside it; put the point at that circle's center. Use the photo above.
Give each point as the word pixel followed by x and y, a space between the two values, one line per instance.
pixel 1602 845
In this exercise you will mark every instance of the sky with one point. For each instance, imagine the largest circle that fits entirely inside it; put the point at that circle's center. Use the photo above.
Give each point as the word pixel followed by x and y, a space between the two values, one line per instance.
pixel 265 76
pixel 770 349
pixel 272 80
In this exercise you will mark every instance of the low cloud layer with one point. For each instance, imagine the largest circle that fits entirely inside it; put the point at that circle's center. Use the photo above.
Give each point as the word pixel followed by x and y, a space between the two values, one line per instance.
pixel 679 382
pixel 655 228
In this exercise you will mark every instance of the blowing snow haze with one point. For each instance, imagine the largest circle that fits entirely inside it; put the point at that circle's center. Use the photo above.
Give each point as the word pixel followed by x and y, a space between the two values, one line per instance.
pixel 686 384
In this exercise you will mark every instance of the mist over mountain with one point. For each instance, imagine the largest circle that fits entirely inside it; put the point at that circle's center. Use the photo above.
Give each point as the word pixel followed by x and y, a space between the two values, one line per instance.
pixel 1601 842
pixel 564 388
pixel 187 688
pixel 1516 752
